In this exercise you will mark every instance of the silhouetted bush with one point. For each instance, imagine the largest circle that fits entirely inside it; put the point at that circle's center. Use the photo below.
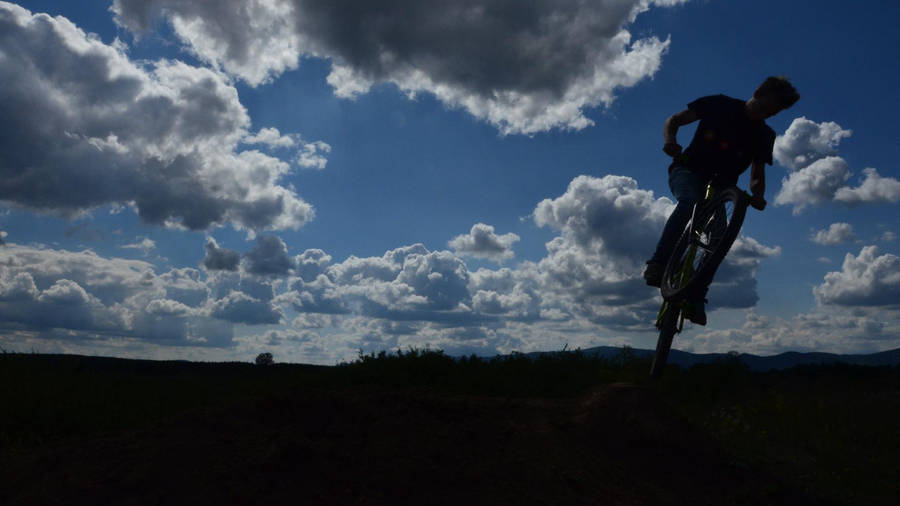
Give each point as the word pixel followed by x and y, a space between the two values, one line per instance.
pixel 265 359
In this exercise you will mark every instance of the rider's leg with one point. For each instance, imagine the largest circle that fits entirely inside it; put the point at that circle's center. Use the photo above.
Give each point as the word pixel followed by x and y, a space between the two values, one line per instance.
pixel 687 187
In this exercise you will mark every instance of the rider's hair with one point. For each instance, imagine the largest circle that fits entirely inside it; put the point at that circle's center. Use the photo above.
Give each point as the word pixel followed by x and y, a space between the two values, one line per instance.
pixel 780 87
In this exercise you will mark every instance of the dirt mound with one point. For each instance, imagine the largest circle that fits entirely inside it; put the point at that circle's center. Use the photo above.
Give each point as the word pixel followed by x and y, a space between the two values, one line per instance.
pixel 619 445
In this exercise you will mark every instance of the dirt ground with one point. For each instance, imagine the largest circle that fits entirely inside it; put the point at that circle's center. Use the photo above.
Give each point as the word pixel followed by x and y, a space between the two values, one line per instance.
pixel 619 445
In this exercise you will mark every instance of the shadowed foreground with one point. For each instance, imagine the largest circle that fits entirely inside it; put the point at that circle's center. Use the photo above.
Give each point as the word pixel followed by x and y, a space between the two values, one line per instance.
pixel 424 428
pixel 619 444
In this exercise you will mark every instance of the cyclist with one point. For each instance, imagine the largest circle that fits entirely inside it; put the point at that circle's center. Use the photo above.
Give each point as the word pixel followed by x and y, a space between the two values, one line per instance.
pixel 731 136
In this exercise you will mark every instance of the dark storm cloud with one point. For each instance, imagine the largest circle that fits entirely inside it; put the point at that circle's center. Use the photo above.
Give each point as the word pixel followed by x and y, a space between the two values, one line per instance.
pixel 269 257
pixel 220 259
pixel 522 66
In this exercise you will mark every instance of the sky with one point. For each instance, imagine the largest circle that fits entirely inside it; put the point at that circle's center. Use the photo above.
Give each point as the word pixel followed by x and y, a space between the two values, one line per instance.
pixel 213 180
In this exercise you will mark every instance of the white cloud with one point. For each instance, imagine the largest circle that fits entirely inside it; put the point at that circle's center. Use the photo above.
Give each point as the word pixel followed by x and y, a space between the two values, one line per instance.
pixel 806 141
pixel 813 184
pixel 88 296
pixel 888 236
pixel 524 70
pixel 818 175
pixel 482 242
pixel 57 293
pixel 312 155
pixel 588 285
pixel 159 136
pixel 272 138
pixel 868 279
pixel 873 189
pixel 145 245
pixel 836 233
pixel 831 331
pixel 610 214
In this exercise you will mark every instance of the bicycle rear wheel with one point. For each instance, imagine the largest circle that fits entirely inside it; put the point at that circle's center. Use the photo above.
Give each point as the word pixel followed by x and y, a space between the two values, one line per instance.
pixel 704 243
pixel 668 326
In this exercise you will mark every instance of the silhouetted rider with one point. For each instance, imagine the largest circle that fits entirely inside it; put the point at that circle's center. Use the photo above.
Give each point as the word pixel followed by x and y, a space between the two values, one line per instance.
pixel 731 136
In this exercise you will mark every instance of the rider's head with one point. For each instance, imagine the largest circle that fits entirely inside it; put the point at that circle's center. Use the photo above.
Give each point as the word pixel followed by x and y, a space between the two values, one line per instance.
pixel 774 95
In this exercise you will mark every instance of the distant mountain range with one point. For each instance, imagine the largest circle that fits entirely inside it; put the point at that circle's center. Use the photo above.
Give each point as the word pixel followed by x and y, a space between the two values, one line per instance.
pixel 754 362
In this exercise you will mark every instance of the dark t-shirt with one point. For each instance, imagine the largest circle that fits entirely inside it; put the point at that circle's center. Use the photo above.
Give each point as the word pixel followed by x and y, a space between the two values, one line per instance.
pixel 726 140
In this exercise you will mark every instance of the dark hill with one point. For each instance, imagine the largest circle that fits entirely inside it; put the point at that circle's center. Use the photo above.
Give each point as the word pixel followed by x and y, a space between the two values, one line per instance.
pixel 754 362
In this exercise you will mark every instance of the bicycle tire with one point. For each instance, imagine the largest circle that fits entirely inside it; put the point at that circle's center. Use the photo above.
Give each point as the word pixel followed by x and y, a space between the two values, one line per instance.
pixel 730 202
pixel 667 328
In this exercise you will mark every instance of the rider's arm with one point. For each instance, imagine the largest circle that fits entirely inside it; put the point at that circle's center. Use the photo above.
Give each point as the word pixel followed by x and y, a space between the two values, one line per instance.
pixel 758 185
pixel 758 178
pixel 670 130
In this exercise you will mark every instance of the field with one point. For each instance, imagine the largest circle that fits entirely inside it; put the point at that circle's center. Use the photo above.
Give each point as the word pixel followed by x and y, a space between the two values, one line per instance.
pixel 419 427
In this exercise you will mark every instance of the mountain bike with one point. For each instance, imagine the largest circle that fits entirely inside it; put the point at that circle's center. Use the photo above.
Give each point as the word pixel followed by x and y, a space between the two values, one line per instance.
pixel 715 223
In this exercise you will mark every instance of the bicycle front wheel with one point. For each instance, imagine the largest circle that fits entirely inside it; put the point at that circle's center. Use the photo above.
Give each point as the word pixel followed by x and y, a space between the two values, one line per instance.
pixel 704 243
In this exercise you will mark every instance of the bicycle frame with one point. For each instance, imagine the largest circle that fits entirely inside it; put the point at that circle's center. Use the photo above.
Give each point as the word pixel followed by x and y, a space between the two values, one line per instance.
pixel 687 268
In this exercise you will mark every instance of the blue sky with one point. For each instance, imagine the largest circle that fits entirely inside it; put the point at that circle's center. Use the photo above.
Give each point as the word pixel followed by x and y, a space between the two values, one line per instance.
pixel 190 182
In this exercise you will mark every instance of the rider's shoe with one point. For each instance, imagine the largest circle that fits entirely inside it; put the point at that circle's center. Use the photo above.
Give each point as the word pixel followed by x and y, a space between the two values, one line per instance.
pixel 695 311
pixel 653 273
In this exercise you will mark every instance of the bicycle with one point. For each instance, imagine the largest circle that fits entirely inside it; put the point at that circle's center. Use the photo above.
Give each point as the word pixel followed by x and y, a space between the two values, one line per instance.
pixel 714 225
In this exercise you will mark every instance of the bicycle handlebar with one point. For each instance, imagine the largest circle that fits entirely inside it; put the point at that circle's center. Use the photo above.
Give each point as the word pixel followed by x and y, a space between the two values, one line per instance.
pixel 756 201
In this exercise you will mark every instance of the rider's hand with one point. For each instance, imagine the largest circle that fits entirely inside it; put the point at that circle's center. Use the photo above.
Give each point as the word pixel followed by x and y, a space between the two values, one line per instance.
pixel 758 202
pixel 672 149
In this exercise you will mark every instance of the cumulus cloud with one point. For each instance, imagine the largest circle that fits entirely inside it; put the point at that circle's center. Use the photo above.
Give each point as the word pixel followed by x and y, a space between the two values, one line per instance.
pixel 269 257
pixel 272 138
pixel 220 259
pixel 836 233
pixel 873 189
pixel 89 296
pixel 159 136
pixel 82 295
pixel 609 213
pixel 524 69
pixel 404 284
pixel 735 284
pixel 608 227
pixel 814 184
pixel 311 263
pixel 818 175
pixel 238 307
pixel 868 279
pixel 836 331
pixel 805 142
pixel 482 242
pixel 312 155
